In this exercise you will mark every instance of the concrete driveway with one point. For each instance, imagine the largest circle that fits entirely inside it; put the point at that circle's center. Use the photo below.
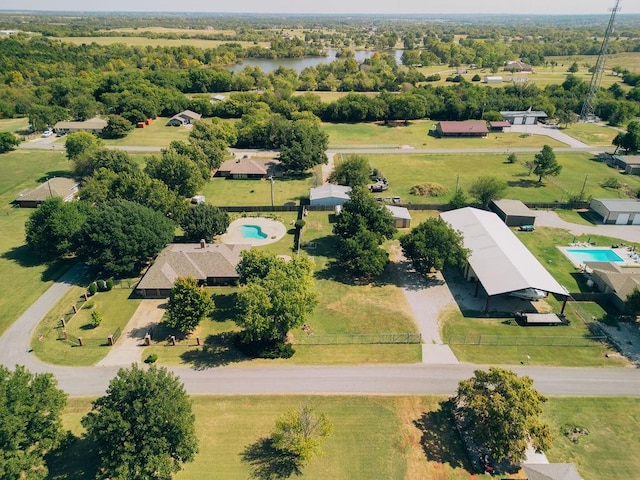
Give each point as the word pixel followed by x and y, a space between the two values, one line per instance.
pixel 549 132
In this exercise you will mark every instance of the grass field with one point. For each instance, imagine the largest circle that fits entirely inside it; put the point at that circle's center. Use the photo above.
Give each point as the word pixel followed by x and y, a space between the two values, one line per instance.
pixel 14 125
pixel 154 42
pixel 158 134
pixel 592 134
pixel 407 438
pixel 404 171
pixel 22 278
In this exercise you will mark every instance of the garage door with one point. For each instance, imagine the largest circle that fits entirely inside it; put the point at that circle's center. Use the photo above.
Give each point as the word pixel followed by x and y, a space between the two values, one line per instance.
pixel 636 219
pixel 623 219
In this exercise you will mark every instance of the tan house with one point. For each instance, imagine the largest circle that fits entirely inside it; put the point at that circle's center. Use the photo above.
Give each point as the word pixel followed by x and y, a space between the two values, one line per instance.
pixel 249 168
pixel 66 188
pixel 94 125
pixel 618 280
pixel 210 264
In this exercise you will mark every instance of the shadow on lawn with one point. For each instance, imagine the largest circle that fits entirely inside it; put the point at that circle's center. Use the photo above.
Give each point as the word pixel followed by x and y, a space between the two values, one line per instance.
pixel 75 459
pixel 217 351
pixel 24 256
pixel 440 440
pixel 268 463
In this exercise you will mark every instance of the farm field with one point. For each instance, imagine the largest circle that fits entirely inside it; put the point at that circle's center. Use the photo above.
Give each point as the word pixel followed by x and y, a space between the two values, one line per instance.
pixel 378 437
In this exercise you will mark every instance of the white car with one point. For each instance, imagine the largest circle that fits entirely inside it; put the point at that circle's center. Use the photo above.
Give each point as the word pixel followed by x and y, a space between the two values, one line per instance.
pixel 47 133
pixel 531 294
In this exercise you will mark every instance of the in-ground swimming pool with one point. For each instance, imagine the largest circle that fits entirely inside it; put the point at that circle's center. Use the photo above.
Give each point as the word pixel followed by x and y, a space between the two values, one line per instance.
pixel 582 255
pixel 252 231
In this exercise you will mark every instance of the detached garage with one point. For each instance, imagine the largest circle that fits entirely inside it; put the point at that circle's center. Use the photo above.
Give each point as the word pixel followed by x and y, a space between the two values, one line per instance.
pixel 617 211
pixel 513 213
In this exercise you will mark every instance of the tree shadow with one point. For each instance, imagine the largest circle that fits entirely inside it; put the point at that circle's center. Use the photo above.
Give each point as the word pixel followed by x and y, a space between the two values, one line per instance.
pixel 440 440
pixel 269 463
pixel 225 306
pixel 75 458
pixel 402 274
pixel 217 351
pixel 525 183
pixel 55 173
pixel 24 256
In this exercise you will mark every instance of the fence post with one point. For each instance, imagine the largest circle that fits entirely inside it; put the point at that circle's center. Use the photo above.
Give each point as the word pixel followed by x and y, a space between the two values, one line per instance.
pixel 75 309
pixel 198 341
pixel 63 324
pixel 172 339
pixel 110 340
pixel 80 342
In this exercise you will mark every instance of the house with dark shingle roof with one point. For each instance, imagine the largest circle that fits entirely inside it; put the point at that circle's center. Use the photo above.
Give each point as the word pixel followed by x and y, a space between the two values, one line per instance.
pixel 66 188
pixel 249 168
pixel 471 128
pixel 210 264
pixel 619 281
pixel 184 118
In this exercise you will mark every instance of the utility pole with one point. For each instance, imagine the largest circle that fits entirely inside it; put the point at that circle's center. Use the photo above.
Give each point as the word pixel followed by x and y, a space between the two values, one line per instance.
pixel 584 184
pixel 271 180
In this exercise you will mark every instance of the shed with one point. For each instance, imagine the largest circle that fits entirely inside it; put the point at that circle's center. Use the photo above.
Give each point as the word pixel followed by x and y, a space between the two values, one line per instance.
pixel 513 213
pixel 185 117
pixel 66 188
pixel 526 117
pixel 471 128
pixel 499 126
pixel 617 211
pixel 401 216
pixel 630 164
pixel 329 195
pixel 493 79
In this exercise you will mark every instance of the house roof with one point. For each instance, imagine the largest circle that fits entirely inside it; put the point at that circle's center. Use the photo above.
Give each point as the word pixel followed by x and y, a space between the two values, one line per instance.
pixel 329 190
pixel 464 127
pixel 95 123
pixel 628 159
pixel 54 187
pixel 399 212
pixel 250 166
pixel 622 280
pixel 183 259
pixel 186 114
pixel 513 207
pixel 500 124
pixel 523 113
pixel 620 204
pixel 518 65
pixel 501 262
pixel 551 471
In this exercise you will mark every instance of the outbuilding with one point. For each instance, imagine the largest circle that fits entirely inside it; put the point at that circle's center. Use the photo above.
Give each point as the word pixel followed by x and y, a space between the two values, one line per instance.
pixel 329 195
pixel 493 79
pixel 630 164
pixel 617 211
pixel 185 117
pixel 513 213
pixel 401 216
pixel 471 128
pixel 526 117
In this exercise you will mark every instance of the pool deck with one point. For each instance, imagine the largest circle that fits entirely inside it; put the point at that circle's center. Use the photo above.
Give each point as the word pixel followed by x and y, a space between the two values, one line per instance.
pixel 274 230
pixel 628 257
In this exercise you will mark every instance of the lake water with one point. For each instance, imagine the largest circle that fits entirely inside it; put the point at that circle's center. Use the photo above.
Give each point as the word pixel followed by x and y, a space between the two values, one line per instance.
pixel 298 64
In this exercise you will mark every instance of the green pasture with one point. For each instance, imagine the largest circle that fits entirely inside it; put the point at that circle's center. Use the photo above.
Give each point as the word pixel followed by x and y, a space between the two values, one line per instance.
pixel 116 308
pixel 154 42
pixel 22 277
pixel 14 125
pixel 407 438
pixel 158 134
pixel 404 171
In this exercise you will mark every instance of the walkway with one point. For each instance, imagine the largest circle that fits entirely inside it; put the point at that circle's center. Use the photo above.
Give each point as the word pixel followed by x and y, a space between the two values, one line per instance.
pixel 547 218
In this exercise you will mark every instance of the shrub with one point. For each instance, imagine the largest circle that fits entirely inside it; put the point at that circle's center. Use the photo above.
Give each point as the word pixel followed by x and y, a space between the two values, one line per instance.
pixel 475 78
pixel 88 305
pixel 93 288
pixel 152 358
pixel 433 78
pixel 512 158
pixel 102 285
pixel 265 349
pixel 300 223
pixel 428 190
pixel 96 318
pixel 109 284
pixel 611 182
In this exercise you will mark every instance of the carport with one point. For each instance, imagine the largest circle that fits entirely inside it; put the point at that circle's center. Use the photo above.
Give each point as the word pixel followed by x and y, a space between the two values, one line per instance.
pixel 498 260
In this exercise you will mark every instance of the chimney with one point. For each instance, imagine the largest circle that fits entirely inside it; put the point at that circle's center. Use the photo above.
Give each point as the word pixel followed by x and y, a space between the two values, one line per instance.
pixel 203 243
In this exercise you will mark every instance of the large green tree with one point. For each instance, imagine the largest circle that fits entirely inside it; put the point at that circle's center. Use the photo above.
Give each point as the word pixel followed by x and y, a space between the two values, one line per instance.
pixel 31 407
pixel 363 211
pixel 546 164
pixel 90 161
pixel 121 236
pixel 502 412
pixel 188 304
pixel 304 146
pixel 255 264
pixel 51 230
pixel 8 142
pixel 361 257
pixel 80 143
pixel 487 188
pixel 272 305
pixel 144 427
pixel 353 171
pixel 629 141
pixel 434 245
pixel 117 127
pixel 178 172
pixel 204 221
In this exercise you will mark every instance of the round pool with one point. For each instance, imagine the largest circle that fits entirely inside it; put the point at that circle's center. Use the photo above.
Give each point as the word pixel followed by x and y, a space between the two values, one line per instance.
pixel 252 231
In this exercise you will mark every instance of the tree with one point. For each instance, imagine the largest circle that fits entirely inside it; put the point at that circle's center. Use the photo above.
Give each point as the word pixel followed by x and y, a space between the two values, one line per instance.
pixel 298 434
pixel 573 68
pixel 122 236
pixel 566 117
pixel 512 158
pixel 8 142
pixel 361 256
pixel 31 407
pixel 546 163
pixel 117 127
pixel 255 264
pixel 305 146
pixel 487 188
pixel 80 143
pixel 144 427
pixel 90 161
pixel 459 199
pixel 353 171
pixel 51 230
pixel 204 221
pixel 501 411
pixel 188 304
pixel 272 305
pixel 633 302
pixel 178 172
pixel 363 211
pixel 630 140
pixel 434 245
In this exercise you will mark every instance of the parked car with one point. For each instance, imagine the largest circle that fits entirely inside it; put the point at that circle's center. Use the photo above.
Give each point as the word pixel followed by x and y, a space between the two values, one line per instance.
pixel 47 133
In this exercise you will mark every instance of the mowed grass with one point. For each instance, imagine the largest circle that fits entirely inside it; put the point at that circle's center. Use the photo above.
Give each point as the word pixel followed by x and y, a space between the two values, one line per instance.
pixel 404 171
pixel 158 134
pixel 408 438
pixel 116 308
pixel 14 125
pixel 416 134
pixel 592 134
pixel 22 277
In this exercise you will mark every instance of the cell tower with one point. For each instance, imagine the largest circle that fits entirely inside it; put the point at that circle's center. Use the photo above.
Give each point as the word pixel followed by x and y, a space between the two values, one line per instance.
pixel 587 113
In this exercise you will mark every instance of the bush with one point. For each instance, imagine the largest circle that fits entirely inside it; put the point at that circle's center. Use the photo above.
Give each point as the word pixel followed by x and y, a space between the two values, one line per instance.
pixel 475 78
pixel 109 284
pixel 88 305
pixel 433 78
pixel 102 285
pixel 428 190
pixel 512 158
pixel 265 349
pixel 611 182
pixel 300 223
pixel 93 288
pixel 152 358
pixel 96 318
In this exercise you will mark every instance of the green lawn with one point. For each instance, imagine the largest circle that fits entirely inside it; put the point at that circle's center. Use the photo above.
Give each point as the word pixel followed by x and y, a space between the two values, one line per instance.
pixel 158 134
pixel 416 135
pixel 404 171
pixel 22 278
pixel 408 438
pixel 592 134
pixel 116 308
pixel 15 125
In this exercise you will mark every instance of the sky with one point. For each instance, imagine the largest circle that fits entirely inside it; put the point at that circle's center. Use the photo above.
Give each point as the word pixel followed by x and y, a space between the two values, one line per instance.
pixel 572 7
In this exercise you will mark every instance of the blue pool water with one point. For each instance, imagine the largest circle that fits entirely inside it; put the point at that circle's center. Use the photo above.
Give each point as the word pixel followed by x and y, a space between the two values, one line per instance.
pixel 252 231
pixel 581 255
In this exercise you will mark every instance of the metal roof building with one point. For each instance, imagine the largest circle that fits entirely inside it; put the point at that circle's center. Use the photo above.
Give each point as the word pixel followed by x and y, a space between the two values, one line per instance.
pixel 329 194
pixel 617 211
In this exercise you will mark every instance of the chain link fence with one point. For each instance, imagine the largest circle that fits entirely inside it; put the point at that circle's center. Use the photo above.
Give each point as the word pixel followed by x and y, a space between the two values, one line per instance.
pixel 359 339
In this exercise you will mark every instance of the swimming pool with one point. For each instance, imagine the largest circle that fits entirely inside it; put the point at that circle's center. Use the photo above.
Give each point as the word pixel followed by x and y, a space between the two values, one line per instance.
pixel 582 255
pixel 252 231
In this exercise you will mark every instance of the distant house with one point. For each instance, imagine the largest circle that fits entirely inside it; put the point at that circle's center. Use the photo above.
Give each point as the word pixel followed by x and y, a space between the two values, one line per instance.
pixel 499 126
pixel 517 66
pixel 461 71
pixel 612 278
pixel 249 168
pixel 218 98
pixel 210 264
pixel 617 211
pixel 66 188
pixel 184 118
pixel 329 195
pixel 493 79
pixel 526 117
pixel 513 213
pixel 550 471
pixel 471 128
pixel 629 163
pixel 401 216
pixel 94 125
